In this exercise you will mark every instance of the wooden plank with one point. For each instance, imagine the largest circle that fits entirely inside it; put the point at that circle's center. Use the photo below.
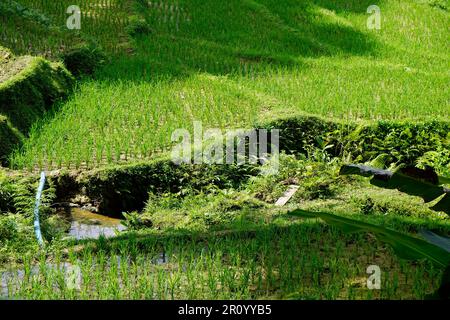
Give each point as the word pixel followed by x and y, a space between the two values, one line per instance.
pixel 287 195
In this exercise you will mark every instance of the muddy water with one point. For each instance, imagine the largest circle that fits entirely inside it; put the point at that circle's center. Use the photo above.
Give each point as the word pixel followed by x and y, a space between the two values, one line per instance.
pixel 13 279
pixel 88 225
pixel 83 225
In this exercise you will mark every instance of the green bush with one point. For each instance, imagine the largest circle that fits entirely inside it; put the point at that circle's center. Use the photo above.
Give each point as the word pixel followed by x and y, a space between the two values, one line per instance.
pixel 135 221
pixel 396 143
pixel 6 194
pixel 400 143
pixel 438 159
pixel 83 59
pixel 9 228
pixel 302 133
pixel 200 211
pixel 17 195
pixel 317 178
pixel 16 237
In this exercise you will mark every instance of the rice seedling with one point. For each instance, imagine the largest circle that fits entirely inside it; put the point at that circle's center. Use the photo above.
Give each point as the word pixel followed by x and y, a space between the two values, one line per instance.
pixel 273 59
pixel 237 266
pixel 44 31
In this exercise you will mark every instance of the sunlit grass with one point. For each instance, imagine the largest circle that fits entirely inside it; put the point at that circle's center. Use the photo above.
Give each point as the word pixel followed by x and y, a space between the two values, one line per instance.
pixel 230 64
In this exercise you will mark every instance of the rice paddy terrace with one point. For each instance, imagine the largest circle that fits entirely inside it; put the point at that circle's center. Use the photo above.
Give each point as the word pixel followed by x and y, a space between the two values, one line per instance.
pixel 243 62
pixel 95 108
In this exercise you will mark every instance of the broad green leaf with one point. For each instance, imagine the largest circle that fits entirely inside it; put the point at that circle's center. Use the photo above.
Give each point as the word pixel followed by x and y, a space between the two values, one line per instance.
pixel 405 246
pixel 443 204
pixel 437 240
pixel 444 180
pixel 413 181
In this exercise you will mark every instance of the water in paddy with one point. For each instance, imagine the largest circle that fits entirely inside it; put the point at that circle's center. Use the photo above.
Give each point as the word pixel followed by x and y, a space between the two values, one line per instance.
pixel 13 278
pixel 88 225
pixel 84 225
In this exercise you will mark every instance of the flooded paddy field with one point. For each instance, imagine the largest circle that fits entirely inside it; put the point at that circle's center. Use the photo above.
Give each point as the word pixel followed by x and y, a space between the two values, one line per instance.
pixel 306 261
pixel 88 225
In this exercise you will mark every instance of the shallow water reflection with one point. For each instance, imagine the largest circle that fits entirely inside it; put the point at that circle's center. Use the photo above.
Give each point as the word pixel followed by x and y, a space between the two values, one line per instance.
pixel 89 225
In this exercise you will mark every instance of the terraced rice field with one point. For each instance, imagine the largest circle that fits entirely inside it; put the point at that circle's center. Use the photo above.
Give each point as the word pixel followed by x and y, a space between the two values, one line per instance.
pixel 242 62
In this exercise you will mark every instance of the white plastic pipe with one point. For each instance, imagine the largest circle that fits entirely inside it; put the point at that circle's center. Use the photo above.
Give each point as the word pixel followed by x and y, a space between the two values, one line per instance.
pixel 37 226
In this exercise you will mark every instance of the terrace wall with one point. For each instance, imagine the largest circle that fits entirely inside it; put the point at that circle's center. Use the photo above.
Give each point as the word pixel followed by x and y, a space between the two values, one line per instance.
pixel 28 88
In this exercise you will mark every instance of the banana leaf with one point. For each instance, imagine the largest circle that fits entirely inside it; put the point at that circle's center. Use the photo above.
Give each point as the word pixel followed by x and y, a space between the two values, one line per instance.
pixel 437 240
pixel 405 246
pixel 444 180
pixel 413 181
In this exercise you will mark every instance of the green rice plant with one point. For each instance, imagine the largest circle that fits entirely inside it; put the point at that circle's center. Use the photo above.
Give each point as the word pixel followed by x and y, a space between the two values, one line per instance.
pixel 275 59
pixel 405 247
pixel 265 264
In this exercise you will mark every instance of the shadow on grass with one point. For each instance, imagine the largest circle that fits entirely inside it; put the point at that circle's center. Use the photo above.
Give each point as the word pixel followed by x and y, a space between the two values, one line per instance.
pixel 240 37
pixel 237 37
pixel 147 241
pixel 277 225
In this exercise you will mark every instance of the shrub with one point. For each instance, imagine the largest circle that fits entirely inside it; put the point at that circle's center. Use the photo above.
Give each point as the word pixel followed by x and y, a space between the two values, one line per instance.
pixel 397 142
pixel 16 237
pixel 83 59
pixel 136 221
pixel 9 228
pixel 17 195
pixel 6 194
pixel 300 134
pixel 201 211
pixel 400 143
